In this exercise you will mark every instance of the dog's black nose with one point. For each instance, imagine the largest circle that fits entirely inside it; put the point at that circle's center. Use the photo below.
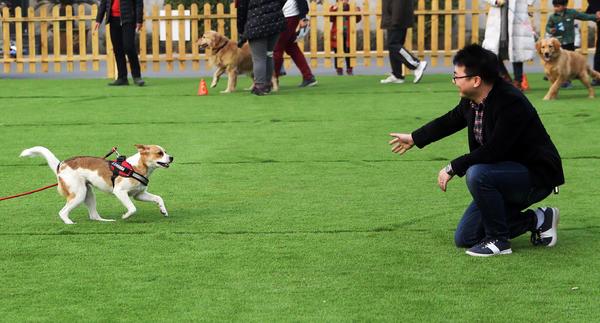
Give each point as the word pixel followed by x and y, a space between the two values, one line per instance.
pixel 171 159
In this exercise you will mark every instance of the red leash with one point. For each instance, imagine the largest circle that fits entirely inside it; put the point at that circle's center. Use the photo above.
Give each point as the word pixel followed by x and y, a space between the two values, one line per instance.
pixel 27 193
pixel 113 150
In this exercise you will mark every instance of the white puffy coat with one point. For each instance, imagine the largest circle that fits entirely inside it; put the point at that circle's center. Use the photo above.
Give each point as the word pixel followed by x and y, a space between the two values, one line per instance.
pixel 520 31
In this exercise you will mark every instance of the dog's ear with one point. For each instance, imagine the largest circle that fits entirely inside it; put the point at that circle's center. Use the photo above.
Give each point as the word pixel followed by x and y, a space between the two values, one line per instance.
pixel 220 40
pixel 141 148
pixel 555 43
pixel 538 46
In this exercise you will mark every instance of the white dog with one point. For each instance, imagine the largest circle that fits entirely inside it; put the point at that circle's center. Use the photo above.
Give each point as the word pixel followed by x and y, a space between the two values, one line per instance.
pixel 77 175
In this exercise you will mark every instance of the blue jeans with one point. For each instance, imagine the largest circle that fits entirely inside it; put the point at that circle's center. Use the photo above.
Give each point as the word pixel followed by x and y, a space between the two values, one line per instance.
pixel 500 192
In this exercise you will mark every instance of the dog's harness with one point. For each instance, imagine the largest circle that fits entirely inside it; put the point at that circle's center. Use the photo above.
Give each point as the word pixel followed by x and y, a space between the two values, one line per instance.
pixel 120 167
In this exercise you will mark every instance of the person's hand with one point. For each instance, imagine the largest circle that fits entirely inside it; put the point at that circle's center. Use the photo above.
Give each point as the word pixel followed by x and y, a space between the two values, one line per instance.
pixel 499 3
pixel 334 8
pixel 138 27
pixel 443 179
pixel 401 142
pixel 96 25
pixel 303 23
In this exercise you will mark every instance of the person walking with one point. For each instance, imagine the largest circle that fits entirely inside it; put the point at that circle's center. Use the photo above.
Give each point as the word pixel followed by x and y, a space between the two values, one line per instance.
pixel 397 17
pixel 125 18
pixel 510 35
pixel 594 8
pixel 260 22
pixel 295 12
pixel 512 163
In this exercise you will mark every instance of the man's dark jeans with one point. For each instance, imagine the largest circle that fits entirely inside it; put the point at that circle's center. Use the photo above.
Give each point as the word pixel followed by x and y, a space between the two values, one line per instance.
pixel 123 41
pixel 500 192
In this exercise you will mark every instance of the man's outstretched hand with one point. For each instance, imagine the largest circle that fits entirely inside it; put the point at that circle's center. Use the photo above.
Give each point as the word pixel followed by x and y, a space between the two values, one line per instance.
pixel 401 142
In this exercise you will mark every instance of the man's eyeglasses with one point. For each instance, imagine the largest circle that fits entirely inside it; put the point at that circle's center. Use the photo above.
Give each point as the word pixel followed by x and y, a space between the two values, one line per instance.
pixel 454 77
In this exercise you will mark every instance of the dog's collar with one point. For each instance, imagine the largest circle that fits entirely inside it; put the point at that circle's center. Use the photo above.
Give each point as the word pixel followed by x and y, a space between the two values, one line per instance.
pixel 218 49
pixel 121 167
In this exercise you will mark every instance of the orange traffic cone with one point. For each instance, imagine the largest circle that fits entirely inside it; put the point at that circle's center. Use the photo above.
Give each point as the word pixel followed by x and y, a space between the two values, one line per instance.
pixel 202 90
pixel 525 83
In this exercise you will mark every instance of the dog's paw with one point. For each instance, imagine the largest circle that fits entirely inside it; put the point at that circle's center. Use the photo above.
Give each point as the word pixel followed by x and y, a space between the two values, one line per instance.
pixel 225 91
pixel 213 85
pixel 163 211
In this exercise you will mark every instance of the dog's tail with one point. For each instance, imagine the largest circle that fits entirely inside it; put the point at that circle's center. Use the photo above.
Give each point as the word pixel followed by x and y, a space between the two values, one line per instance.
pixel 594 74
pixel 44 152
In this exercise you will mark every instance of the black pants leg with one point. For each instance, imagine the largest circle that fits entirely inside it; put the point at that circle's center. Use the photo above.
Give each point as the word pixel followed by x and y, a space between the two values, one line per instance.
pixel 398 54
pixel 123 41
pixel 518 71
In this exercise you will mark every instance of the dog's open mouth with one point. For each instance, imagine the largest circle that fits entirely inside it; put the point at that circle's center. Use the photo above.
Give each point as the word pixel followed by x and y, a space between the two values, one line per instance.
pixel 165 165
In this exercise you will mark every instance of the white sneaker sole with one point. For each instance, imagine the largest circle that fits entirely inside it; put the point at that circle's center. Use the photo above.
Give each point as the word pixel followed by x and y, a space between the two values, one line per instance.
pixel 503 252
pixel 553 231
pixel 420 75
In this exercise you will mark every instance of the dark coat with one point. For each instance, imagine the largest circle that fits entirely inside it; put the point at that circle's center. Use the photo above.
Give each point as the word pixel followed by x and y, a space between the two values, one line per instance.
pixel 397 13
pixel 512 131
pixel 346 21
pixel 132 11
pixel 302 6
pixel 593 6
pixel 260 18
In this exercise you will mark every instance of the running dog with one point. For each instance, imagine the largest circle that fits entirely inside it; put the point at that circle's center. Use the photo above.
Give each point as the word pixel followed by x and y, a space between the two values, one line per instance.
pixel 562 65
pixel 76 177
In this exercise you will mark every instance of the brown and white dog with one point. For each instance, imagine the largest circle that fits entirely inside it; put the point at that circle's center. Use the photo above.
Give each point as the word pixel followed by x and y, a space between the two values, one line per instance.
pixel 562 65
pixel 76 177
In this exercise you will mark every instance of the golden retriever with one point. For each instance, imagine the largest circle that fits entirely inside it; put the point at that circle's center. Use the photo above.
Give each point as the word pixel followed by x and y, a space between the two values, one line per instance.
pixel 563 65
pixel 227 57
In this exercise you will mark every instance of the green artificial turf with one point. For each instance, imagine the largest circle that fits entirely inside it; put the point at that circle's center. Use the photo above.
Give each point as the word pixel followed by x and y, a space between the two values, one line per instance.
pixel 288 207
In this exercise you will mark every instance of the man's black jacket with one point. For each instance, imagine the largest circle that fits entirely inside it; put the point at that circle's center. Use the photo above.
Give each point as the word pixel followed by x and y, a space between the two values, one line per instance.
pixel 132 11
pixel 512 131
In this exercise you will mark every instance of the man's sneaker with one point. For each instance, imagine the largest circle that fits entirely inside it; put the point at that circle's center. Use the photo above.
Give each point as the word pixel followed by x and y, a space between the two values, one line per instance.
pixel 392 79
pixel 310 82
pixel 138 81
pixel 419 71
pixel 488 248
pixel 546 234
pixel 119 82
pixel 339 71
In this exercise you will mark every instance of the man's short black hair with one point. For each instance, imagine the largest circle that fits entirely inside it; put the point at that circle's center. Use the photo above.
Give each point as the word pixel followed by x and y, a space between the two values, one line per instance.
pixel 560 2
pixel 478 61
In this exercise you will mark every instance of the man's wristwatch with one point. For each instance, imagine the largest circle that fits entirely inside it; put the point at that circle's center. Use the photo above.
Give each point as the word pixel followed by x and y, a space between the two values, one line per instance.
pixel 448 169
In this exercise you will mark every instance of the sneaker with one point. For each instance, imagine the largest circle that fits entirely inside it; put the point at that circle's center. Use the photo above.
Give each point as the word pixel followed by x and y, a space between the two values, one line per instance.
pixel 392 79
pixel 566 85
pixel 488 248
pixel 119 82
pixel 260 90
pixel 546 235
pixel 350 71
pixel 138 81
pixel 310 82
pixel 419 71
pixel 339 71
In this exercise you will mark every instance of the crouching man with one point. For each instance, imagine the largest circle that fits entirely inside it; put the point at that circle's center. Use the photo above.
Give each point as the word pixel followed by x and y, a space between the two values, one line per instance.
pixel 512 162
